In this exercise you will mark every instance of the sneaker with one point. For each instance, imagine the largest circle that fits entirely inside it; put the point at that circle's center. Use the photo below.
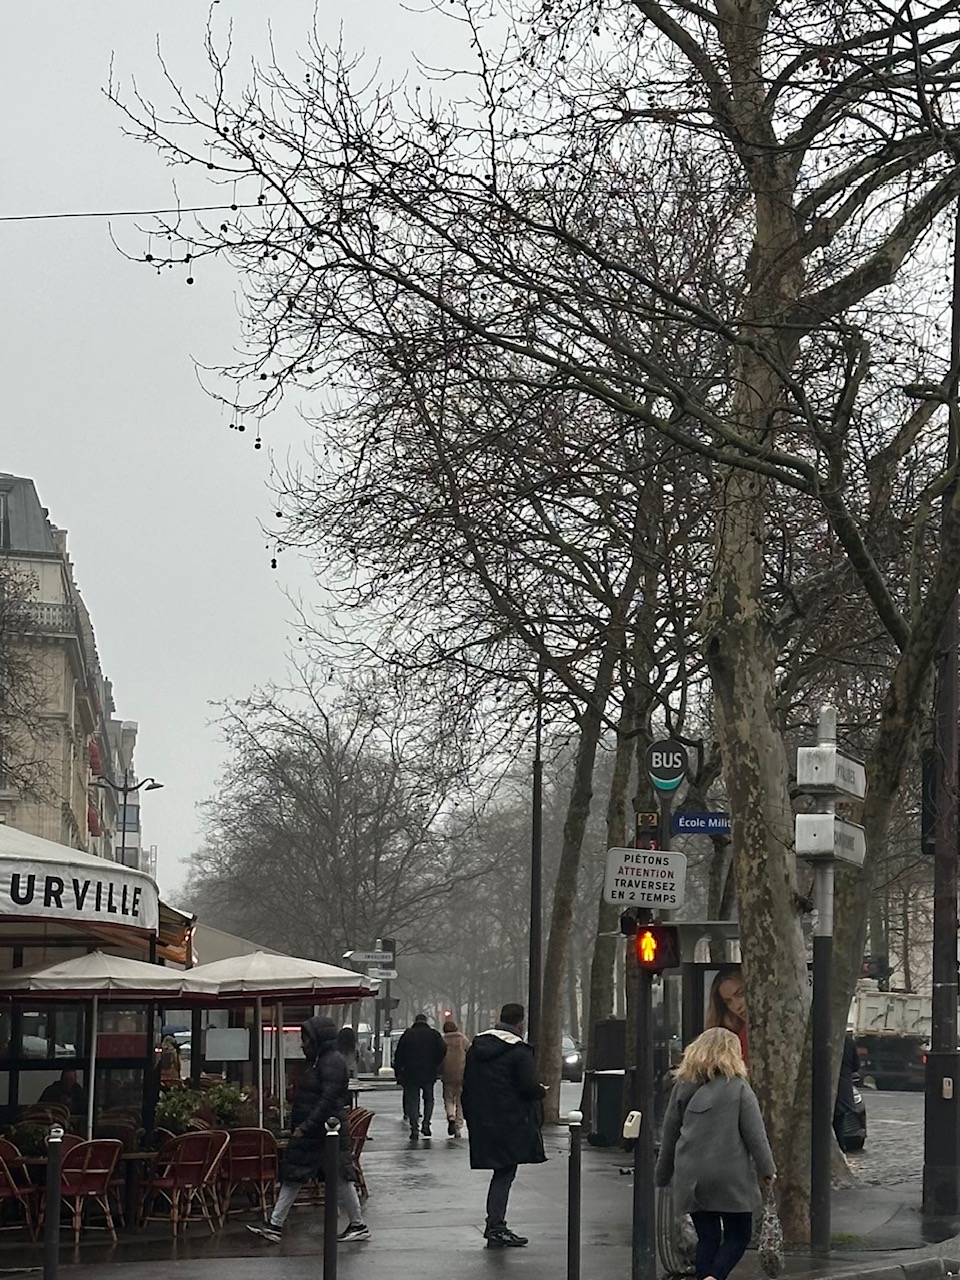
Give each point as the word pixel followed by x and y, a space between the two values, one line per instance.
pixel 451 1128
pixel 355 1231
pixel 267 1230
pixel 502 1237
pixel 425 1129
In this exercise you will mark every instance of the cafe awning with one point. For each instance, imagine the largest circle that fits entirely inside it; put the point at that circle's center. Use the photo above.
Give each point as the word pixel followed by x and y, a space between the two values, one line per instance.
pixel 45 882
pixel 279 977
pixel 109 977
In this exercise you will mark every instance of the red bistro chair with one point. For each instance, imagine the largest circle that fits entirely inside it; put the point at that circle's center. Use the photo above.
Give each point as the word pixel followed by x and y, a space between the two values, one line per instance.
pixel 11 1192
pixel 250 1162
pixel 86 1174
pixel 181 1179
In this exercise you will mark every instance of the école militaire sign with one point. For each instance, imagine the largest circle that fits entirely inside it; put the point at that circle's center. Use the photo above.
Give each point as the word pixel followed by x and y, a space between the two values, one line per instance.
pixel 117 896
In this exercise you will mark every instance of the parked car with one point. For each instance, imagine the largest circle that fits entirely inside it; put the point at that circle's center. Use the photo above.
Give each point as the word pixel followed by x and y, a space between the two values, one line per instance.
pixel 571 1060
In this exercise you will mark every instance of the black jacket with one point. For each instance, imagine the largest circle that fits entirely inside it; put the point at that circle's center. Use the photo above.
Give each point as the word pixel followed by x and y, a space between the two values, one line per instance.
pixel 419 1052
pixel 849 1066
pixel 501 1101
pixel 321 1094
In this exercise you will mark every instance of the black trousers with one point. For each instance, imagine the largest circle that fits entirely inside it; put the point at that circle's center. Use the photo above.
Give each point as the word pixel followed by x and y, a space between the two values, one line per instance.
pixel 412 1094
pixel 498 1195
pixel 722 1240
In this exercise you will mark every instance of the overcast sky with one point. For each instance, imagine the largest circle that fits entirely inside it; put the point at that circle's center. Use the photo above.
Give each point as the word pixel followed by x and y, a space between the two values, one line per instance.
pixel 102 407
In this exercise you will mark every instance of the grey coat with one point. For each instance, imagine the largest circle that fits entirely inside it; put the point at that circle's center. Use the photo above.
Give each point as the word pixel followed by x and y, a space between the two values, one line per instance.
pixel 711 1133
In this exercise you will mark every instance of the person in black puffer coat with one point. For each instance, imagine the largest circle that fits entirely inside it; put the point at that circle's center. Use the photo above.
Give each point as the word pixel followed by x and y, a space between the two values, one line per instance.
pixel 321 1095
pixel 416 1064
pixel 501 1103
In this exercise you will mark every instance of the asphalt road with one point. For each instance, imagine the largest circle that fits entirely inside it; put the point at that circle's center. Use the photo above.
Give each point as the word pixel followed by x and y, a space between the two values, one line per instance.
pixel 894 1148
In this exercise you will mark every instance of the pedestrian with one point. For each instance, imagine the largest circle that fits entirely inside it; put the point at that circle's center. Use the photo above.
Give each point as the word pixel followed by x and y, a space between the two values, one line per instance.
pixel 845 1103
pixel 502 1104
pixel 170 1071
pixel 712 1131
pixel 321 1094
pixel 416 1064
pixel 347 1044
pixel 451 1075
pixel 727 1004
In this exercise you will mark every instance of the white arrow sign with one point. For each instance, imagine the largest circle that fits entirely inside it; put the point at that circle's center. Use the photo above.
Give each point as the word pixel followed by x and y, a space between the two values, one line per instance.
pixel 823 835
pixel 827 770
pixel 385 974
pixel 371 957
pixel 645 878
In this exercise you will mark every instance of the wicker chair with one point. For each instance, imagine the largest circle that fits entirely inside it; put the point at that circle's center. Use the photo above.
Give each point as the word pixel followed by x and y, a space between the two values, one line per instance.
pixel 250 1162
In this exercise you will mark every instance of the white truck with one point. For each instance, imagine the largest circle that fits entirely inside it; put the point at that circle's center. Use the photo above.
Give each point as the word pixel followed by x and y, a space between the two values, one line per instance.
pixel 892 1031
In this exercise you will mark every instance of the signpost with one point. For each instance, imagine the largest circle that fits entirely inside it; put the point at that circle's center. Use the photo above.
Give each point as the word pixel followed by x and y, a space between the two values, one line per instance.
pixel 822 838
pixel 385 975
pixel 370 957
pixel 645 878
pixel 696 824
pixel 379 963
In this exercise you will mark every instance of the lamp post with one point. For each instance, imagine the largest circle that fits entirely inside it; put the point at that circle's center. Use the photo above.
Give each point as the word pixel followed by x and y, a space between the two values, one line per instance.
pixel 125 789
pixel 535 994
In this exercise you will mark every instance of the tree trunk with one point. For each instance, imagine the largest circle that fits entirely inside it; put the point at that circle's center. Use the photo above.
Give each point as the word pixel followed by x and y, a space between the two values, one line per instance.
pixel 742 668
pixel 600 1003
pixel 565 890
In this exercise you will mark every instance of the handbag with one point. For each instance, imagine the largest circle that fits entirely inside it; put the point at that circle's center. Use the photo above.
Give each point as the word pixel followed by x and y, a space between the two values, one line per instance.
pixel 770 1240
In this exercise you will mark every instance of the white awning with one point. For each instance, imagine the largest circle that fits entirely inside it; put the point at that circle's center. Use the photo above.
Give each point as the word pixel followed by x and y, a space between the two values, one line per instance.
pixel 279 977
pixel 44 881
pixel 107 976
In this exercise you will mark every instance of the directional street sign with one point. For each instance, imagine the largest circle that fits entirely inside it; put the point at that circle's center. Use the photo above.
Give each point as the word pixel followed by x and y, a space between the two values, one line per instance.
pixel 385 974
pixel 645 878
pixel 710 824
pixel 666 762
pixel 823 835
pixel 825 769
pixel 372 957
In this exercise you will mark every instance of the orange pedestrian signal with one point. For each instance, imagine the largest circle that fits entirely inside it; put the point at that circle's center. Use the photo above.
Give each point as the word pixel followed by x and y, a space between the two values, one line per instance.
pixel 658 947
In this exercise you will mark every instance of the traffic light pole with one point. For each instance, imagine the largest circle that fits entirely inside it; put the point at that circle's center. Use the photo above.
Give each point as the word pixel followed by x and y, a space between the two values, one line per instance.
pixel 643 1257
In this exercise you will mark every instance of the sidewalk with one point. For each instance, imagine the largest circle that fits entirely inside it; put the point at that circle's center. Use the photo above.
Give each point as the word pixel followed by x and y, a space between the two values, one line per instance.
pixel 426 1214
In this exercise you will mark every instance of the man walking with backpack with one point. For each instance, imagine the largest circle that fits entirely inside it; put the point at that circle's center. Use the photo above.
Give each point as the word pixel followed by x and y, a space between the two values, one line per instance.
pixel 501 1102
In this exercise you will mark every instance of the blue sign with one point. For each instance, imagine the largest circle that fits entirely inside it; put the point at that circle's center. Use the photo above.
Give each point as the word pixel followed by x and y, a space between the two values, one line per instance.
pixel 700 824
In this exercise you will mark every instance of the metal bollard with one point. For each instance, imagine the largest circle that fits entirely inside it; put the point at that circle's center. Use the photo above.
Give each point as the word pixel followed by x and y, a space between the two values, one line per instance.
pixel 51 1226
pixel 331 1174
pixel 573 1195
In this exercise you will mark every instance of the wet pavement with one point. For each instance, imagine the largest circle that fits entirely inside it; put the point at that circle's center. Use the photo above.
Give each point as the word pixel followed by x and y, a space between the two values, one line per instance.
pixel 426 1214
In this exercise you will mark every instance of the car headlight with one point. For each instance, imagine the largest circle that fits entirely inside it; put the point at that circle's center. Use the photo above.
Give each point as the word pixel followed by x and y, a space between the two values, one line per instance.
pixel 572 1058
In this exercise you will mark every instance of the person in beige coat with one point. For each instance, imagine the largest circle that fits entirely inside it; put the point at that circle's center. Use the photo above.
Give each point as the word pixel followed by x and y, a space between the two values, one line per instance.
pixel 451 1073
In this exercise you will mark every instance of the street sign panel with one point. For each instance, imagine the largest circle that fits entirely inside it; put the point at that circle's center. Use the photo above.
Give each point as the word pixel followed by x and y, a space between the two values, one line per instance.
pixel 823 836
pixel 666 762
pixel 385 974
pixel 825 769
pixel 645 878
pixel 710 824
pixel 372 957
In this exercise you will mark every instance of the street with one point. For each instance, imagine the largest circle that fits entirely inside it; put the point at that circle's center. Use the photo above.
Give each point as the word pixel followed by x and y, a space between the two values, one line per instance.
pixel 894 1148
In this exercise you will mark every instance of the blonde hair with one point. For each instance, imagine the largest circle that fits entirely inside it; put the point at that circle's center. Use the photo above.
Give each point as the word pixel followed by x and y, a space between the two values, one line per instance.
pixel 716 1052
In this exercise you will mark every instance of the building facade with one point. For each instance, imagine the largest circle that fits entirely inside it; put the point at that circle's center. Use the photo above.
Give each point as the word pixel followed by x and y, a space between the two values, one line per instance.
pixel 69 733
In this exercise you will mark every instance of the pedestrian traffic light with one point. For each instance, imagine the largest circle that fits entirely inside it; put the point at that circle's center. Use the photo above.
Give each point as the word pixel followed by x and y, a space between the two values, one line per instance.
pixel 658 947
pixel 628 922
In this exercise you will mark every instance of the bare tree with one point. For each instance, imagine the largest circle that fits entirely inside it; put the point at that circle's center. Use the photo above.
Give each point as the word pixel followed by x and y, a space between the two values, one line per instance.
pixel 514 218
pixel 24 731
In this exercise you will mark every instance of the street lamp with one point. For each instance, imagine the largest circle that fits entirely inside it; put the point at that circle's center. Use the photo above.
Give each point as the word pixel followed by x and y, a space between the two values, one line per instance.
pixel 125 789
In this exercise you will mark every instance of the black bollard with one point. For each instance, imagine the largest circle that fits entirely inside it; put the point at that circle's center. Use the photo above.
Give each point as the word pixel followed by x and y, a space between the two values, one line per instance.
pixel 51 1226
pixel 331 1173
pixel 573 1196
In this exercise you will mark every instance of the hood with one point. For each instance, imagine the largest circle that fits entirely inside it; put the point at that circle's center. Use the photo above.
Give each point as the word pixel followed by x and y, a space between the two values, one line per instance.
pixel 492 1044
pixel 321 1033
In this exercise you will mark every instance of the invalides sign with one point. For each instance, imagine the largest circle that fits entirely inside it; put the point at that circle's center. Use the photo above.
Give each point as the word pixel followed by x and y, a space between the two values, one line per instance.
pixel 40 880
pixel 645 878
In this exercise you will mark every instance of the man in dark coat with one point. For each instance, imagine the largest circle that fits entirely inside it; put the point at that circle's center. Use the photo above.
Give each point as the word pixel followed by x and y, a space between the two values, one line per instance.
pixel 501 1103
pixel 416 1064
pixel 322 1094
pixel 845 1102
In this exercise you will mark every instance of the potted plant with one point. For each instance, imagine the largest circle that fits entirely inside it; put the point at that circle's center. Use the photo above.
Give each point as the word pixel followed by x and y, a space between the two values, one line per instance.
pixel 228 1104
pixel 175 1109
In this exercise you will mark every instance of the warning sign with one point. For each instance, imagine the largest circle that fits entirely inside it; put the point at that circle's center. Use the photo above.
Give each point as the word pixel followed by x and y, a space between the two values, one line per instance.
pixel 645 878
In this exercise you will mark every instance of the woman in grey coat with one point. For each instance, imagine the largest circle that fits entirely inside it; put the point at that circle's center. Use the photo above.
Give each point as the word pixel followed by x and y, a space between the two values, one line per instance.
pixel 713 1148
